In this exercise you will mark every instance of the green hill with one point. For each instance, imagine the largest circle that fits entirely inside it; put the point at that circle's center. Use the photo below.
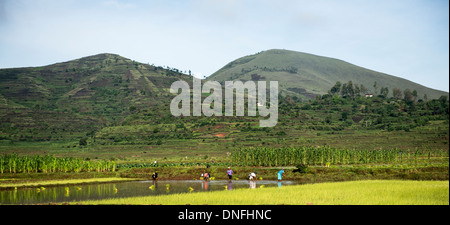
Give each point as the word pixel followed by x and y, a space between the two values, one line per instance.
pixel 108 100
pixel 81 95
pixel 307 75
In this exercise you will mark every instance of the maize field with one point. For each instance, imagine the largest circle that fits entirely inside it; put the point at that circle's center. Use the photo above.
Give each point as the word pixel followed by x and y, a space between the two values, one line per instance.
pixel 325 155
pixel 50 164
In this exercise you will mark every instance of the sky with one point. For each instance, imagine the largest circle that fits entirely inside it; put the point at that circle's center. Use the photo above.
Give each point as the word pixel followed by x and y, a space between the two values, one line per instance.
pixel 404 38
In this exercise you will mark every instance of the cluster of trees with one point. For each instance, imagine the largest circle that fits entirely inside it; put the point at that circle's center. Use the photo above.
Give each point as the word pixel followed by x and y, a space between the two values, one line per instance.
pixel 346 106
pixel 289 69
pixel 350 90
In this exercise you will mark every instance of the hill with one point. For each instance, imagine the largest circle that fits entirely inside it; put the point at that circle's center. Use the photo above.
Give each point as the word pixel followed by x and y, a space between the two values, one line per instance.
pixel 81 95
pixel 306 75
pixel 107 105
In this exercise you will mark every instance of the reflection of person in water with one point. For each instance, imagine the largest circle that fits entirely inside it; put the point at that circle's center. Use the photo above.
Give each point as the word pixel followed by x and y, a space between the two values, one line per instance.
pixel 230 185
pixel 252 184
pixel 205 185
pixel 280 184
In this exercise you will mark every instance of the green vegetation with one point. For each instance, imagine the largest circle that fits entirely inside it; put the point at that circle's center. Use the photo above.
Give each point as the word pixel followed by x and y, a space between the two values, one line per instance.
pixel 436 169
pixel 392 192
pixel 110 100
pixel 50 164
pixel 73 100
pixel 324 156
pixel 106 116
pixel 306 75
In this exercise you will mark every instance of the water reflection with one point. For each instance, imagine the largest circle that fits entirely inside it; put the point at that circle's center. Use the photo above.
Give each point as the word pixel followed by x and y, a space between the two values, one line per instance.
pixel 56 194
pixel 124 189
pixel 205 185
pixel 252 183
pixel 230 185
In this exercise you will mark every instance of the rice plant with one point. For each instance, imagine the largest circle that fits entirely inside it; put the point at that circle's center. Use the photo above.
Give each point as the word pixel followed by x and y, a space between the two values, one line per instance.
pixel 389 192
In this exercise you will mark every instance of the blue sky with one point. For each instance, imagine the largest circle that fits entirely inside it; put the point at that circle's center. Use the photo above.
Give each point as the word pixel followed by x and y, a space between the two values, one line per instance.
pixel 405 38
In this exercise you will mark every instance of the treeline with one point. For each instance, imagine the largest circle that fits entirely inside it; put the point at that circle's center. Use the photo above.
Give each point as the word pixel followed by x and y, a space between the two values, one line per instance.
pixel 407 100
pixel 347 106
pixel 350 90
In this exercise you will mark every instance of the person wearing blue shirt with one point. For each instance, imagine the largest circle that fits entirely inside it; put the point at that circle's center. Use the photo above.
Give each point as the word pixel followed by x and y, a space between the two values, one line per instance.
pixel 280 174
pixel 229 173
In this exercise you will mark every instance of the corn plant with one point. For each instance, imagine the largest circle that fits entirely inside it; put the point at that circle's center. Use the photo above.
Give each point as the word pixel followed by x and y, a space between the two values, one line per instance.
pixel 325 155
pixel 49 164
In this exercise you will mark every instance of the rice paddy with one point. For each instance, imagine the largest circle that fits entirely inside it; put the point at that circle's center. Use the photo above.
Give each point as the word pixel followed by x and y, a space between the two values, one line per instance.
pixel 370 192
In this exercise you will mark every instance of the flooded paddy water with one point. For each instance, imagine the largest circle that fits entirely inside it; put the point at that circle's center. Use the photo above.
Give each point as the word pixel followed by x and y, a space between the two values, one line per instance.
pixel 74 193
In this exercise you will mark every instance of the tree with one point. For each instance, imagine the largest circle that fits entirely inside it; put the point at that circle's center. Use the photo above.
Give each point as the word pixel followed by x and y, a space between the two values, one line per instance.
pixel 414 93
pixel 363 89
pixel 344 116
pixel 344 90
pixel 357 90
pixel 375 87
pixel 328 119
pixel 408 96
pixel 397 93
pixel 384 91
pixel 255 77
pixel 347 90
pixel 443 100
pixel 336 88
pixel 83 141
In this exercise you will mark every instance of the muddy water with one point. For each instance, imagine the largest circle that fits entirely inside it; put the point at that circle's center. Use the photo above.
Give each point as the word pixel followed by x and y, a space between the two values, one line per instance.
pixel 124 189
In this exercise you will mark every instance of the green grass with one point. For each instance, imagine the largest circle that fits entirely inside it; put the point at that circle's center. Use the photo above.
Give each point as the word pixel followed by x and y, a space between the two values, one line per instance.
pixel 431 137
pixel 374 192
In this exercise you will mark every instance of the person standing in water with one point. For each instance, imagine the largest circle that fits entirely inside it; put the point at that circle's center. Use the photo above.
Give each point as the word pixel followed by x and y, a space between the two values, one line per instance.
pixel 280 174
pixel 252 176
pixel 229 173
pixel 205 175
pixel 155 176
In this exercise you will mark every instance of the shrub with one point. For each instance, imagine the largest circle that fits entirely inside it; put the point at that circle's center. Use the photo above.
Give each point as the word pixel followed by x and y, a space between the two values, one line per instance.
pixel 83 141
pixel 301 168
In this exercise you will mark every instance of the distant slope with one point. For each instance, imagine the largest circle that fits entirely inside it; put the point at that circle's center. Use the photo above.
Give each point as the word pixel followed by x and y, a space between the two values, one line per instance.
pixel 308 75
pixel 83 94
pixel 108 96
